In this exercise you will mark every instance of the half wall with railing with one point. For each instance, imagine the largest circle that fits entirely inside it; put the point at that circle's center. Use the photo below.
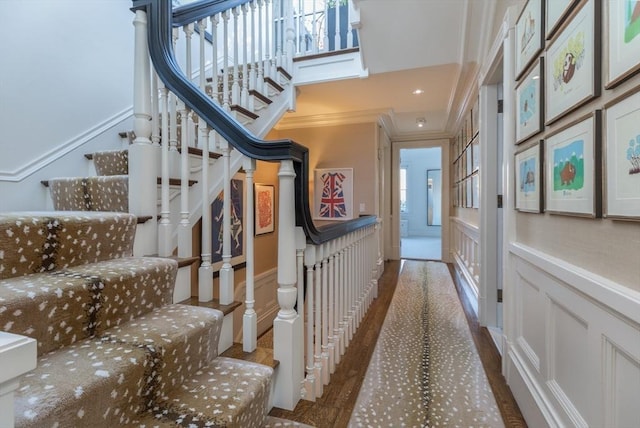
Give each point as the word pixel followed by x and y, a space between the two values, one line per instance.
pixel 204 73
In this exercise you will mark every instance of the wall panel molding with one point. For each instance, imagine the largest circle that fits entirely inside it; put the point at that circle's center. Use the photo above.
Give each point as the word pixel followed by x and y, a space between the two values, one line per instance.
pixel 589 367
pixel 23 171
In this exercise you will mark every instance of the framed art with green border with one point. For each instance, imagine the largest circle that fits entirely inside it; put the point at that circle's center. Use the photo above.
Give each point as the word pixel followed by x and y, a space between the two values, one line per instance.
pixel 622 158
pixel 573 170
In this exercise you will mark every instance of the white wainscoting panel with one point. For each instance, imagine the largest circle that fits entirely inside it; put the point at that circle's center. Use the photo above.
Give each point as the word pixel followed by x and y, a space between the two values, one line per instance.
pixel 266 302
pixel 465 252
pixel 575 357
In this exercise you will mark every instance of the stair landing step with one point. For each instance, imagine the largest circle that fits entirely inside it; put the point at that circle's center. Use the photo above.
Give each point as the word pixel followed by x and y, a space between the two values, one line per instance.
pixel 262 356
pixel 275 85
pixel 214 304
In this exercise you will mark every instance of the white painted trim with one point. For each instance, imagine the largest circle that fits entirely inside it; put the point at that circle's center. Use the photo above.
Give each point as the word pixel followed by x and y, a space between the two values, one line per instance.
pixel 394 224
pixel 372 115
pixel 56 153
pixel 603 291
pixel 543 405
pixel 266 311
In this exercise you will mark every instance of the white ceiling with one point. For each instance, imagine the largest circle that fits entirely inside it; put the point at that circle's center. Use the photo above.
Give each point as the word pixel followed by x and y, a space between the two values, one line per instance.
pixel 433 45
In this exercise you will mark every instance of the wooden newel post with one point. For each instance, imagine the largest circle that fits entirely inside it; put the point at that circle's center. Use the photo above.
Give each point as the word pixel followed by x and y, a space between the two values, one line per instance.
pixel 287 327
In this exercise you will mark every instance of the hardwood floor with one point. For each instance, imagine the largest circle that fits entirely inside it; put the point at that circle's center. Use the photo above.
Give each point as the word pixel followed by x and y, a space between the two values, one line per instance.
pixel 335 406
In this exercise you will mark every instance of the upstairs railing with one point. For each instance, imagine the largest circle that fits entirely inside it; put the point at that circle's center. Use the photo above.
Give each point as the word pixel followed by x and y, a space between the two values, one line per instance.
pixel 241 59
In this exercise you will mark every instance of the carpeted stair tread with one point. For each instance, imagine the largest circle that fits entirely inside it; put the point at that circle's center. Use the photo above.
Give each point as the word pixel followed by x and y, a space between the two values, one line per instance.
pixel 32 242
pixel 64 306
pixel 184 339
pixel 111 162
pixel 99 193
pixel 228 393
pixel 91 383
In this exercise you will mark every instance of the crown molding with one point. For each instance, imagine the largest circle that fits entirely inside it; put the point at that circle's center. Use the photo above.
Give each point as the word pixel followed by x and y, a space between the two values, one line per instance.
pixel 342 118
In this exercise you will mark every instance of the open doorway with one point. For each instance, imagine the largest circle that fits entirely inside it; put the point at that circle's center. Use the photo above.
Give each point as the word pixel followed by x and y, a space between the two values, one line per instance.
pixel 421 199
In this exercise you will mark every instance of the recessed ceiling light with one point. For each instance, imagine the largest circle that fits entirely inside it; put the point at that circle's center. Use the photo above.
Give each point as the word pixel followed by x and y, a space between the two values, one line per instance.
pixel 421 122
pixel 418 92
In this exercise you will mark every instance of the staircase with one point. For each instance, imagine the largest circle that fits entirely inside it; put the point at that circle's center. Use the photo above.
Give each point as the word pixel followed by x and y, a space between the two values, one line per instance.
pixel 193 131
pixel 112 349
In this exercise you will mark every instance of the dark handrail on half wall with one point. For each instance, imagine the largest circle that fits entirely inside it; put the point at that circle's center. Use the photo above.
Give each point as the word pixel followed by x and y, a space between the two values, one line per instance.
pixel 160 24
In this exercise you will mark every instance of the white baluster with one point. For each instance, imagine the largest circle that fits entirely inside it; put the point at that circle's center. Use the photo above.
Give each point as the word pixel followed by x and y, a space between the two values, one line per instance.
pixel 310 380
pixel 331 305
pixel 164 228
pixel 343 294
pixel 287 327
pixel 325 314
pixel 336 304
pixel 260 84
pixel 268 27
pixel 226 271
pixel 250 318
pixel 349 29
pixel 155 110
pixel 174 155
pixel 185 236
pixel 215 19
pixel 337 39
pixel 235 87
pixel 325 36
pixel 278 26
pixel 188 32
pixel 205 273
pixel 276 22
pixel 300 29
pixel 225 63
pixel 315 30
pixel 253 70
pixel 244 97
pixel 318 322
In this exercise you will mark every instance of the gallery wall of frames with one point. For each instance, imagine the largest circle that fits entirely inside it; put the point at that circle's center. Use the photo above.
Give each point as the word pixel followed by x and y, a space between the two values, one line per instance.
pixel 572 270
pixel 465 168
pixel 578 137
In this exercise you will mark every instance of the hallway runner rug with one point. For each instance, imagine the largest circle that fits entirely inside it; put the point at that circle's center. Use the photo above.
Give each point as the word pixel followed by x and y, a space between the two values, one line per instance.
pixel 425 370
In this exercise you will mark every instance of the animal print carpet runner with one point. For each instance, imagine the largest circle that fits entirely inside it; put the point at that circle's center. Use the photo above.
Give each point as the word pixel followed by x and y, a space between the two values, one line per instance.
pixel 425 370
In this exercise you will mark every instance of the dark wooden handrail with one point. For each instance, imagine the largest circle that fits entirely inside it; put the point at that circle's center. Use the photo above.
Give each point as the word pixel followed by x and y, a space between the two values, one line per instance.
pixel 160 21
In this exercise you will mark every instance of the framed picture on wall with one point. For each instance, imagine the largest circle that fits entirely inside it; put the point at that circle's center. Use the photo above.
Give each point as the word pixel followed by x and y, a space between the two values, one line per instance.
pixel 623 41
pixel 529 37
pixel 572 74
pixel 238 214
pixel 622 158
pixel 529 102
pixel 264 208
pixel 572 169
pixel 555 13
pixel 528 186
pixel 333 194
pixel 475 191
pixel 475 146
pixel 469 154
pixel 475 117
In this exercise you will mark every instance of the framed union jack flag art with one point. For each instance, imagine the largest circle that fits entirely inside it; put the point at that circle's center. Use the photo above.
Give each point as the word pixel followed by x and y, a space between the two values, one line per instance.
pixel 333 194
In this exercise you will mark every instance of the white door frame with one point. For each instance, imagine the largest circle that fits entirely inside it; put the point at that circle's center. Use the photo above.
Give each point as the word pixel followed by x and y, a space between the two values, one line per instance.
pixel 396 146
pixel 495 255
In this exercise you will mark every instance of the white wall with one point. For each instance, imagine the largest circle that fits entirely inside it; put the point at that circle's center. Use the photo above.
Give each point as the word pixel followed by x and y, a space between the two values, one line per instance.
pixel 67 77
pixel 417 162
